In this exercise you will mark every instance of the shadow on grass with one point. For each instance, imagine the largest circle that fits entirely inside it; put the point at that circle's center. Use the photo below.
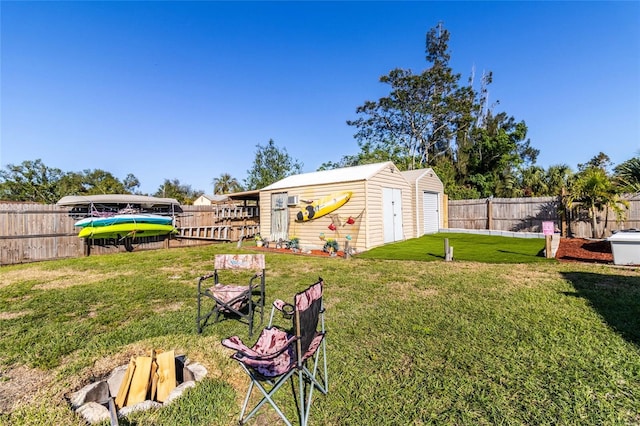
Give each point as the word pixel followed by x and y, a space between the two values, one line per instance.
pixel 437 256
pixel 616 298
pixel 583 260
pixel 522 253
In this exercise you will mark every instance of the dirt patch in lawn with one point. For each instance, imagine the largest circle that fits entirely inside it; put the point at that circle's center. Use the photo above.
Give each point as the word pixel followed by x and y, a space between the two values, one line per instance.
pixel 20 385
pixel 584 250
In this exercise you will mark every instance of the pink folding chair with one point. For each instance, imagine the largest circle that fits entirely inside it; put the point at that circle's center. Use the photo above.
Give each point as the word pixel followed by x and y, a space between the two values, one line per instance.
pixel 280 355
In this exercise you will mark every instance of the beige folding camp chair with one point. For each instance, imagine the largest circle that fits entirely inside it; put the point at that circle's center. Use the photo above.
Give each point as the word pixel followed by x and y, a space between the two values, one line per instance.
pixel 229 298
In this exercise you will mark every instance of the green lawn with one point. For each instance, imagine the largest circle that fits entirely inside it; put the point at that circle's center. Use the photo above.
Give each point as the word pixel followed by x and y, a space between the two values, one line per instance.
pixel 466 247
pixel 410 342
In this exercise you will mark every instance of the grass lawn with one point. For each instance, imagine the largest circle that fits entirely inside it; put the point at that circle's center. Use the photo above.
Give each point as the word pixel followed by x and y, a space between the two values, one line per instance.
pixel 467 247
pixel 410 342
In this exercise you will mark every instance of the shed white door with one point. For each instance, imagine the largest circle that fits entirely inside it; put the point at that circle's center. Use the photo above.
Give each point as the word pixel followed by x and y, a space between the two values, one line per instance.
pixel 392 214
pixel 430 212
pixel 279 216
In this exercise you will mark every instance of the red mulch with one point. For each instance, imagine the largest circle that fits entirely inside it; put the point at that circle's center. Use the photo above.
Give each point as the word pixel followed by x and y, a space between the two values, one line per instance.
pixel 584 250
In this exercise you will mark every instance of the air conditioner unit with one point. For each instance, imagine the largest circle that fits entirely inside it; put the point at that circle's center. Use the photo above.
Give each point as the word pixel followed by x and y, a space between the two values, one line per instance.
pixel 292 200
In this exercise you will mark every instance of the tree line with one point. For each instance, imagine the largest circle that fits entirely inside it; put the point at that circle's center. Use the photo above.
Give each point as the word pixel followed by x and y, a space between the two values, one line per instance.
pixel 428 119
pixel 34 181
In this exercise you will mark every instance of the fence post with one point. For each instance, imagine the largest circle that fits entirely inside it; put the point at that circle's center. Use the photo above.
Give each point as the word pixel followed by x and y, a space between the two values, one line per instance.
pixel 448 251
pixel 564 216
pixel 489 213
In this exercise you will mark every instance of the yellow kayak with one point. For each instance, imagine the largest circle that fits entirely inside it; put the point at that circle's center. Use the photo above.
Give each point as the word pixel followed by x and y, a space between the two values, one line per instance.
pixel 126 230
pixel 323 206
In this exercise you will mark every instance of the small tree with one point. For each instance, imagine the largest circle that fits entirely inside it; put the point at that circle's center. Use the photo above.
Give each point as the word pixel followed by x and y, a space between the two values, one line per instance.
pixel 593 190
pixel 270 165
pixel 181 192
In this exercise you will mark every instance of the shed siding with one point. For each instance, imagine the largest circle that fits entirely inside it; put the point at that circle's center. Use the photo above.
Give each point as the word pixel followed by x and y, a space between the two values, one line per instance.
pixel 426 181
pixel 429 182
pixel 375 208
pixel 309 232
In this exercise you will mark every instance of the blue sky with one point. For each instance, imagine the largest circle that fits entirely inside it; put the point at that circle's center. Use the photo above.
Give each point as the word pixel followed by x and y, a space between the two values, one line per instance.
pixel 186 90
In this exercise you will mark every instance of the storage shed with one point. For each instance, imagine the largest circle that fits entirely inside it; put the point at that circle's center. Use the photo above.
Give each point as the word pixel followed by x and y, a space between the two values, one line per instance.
pixel 428 201
pixel 367 205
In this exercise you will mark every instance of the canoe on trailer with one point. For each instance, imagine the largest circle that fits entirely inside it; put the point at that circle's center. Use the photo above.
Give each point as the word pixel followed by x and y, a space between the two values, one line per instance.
pixel 126 230
pixel 124 218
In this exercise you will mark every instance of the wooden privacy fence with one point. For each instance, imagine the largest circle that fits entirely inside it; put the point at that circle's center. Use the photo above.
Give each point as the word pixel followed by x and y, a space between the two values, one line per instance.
pixel 32 232
pixel 527 215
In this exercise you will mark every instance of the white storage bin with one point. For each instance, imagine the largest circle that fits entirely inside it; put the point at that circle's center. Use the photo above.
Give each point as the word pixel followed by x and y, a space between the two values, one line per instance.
pixel 625 246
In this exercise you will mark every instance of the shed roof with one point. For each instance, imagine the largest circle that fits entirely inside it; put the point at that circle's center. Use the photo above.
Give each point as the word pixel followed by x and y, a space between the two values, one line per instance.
pixel 253 194
pixel 414 175
pixel 345 174
pixel 216 198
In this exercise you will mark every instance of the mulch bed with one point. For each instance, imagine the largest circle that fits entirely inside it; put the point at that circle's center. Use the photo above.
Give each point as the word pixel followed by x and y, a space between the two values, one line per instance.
pixel 584 250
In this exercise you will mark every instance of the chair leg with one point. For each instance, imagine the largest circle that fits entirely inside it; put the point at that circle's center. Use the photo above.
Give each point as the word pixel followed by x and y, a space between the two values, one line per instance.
pixel 251 308
pixel 267 397
pixel 246 402
pixel 313 380
pixel 198 328
pixel 201 320
pixel 301 404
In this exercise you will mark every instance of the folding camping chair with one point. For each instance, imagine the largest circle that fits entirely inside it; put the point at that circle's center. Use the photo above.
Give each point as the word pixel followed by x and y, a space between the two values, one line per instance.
pixel 280 355
pixel 233 299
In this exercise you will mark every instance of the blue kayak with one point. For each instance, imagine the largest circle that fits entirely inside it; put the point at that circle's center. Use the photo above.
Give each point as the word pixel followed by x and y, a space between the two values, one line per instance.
pixel 124 218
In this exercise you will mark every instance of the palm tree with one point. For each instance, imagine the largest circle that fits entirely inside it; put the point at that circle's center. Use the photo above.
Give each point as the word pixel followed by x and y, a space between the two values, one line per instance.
pixel 558 177
pixel 594 190
pixel 533 181
pixel 627 175
pixel 225 184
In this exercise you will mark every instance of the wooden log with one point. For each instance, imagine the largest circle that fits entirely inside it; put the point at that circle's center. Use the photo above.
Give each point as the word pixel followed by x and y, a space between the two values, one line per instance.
pixel 166 374
pixel 153 378
pixel 121 398
pixel 140 382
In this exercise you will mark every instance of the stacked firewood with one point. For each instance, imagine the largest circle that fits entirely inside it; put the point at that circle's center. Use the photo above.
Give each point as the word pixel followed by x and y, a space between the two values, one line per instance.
pixel 148 378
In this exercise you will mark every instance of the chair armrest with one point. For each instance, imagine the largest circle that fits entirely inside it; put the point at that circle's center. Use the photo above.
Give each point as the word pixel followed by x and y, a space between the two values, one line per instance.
pixel 284 307
pixel 255 276
pixel 203 278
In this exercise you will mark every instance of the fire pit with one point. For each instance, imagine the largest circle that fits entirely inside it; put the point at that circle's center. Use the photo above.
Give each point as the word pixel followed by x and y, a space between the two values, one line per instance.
pixel 146 382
